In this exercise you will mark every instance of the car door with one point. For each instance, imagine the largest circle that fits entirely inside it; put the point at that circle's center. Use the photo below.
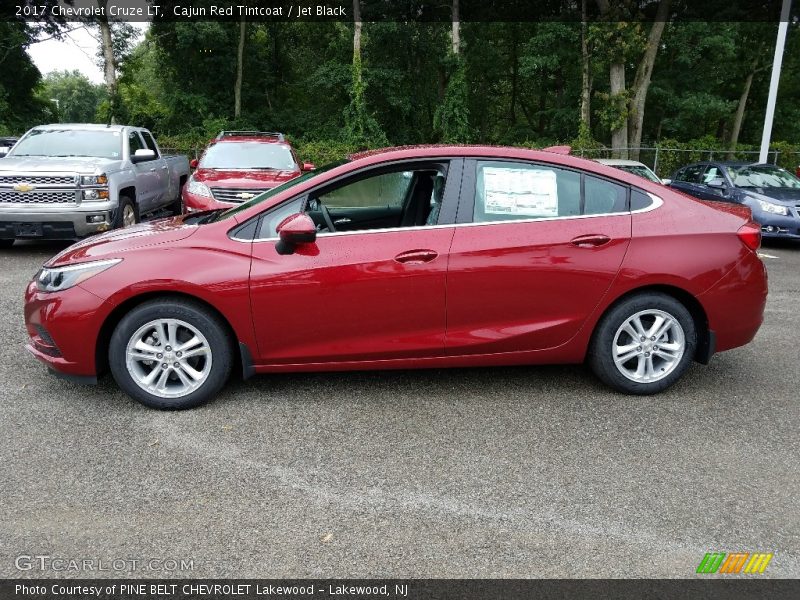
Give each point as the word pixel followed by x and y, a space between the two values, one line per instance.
pixel 712 177
pixel 367 294
pixel 147 178
pixel 165 192
pixel 535 249
pixel 689 180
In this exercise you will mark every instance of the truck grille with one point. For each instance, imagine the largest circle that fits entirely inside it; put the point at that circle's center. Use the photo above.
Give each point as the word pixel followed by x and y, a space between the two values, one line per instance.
pixel 38 179
pixel 36 197
pixel 235 194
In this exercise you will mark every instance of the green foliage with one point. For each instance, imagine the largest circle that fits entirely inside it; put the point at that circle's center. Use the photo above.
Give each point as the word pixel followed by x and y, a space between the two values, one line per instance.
pixel 75 98
pixel 451 120
pixel 20 107
pixel 360 127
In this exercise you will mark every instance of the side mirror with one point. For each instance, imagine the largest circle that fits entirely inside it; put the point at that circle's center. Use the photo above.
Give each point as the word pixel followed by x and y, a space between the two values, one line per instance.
pixel 3 152
pixel 193 163
pixel 717 183
pixel 142 155
pixel 307 166
pixel 666 181
pixel 294 230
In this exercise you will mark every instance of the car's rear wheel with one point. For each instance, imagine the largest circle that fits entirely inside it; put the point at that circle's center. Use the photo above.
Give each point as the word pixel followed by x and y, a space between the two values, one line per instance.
pixel 644 344
pixel 170 354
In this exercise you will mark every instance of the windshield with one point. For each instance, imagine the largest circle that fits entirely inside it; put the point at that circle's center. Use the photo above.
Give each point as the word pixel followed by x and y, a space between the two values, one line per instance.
pixel 763 176
pixel 641 171
pixel 276 190
pixel 100 143
pixel 248 155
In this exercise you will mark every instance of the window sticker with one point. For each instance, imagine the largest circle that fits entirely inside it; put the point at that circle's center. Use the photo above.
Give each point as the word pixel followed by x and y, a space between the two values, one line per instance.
pixel 520 192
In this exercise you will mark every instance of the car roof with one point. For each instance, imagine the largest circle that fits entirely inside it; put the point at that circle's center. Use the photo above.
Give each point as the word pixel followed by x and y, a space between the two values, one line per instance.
pixel 85 126
pixel 620 162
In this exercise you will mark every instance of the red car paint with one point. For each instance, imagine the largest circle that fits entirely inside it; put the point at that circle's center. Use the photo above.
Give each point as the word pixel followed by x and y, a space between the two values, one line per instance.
pixel 247 182
pixel 447 295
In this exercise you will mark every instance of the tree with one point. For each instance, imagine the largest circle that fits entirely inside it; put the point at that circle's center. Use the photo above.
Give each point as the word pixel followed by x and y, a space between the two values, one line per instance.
pixel 361 128
pixel 237 90
pixel 77 99
pixel 451 119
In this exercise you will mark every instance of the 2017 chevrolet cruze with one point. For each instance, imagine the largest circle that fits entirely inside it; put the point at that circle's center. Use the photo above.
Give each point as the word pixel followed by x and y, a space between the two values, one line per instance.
pixel 406 258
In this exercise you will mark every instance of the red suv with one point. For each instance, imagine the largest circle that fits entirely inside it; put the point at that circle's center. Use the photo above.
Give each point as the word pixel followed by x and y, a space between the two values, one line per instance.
pixel 238 166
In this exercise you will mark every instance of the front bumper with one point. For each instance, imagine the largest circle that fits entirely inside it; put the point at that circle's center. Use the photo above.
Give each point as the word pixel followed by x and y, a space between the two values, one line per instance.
pixel 65 223
pixel 195 203
pixel 64 328
pixel 778 226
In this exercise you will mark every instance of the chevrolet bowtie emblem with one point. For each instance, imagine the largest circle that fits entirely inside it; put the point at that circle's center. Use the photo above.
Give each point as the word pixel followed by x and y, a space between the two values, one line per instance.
pixel 244 195
pixel 23 187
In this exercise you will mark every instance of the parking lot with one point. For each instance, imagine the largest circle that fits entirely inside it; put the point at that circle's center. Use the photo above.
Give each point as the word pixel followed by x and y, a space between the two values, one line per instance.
pixel 509 472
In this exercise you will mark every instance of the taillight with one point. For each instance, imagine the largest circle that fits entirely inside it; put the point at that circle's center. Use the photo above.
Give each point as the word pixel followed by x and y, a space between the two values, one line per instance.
pixel 750 234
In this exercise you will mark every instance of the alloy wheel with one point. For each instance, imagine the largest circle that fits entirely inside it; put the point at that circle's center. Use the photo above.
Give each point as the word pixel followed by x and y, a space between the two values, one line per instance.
pixel 648 346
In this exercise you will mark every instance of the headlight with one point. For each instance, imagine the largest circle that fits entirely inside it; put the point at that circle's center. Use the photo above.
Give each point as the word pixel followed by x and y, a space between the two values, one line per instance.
pixel 94 179
pixel 775 209
pixel 198 189
pixel 95 194
pixel 57 279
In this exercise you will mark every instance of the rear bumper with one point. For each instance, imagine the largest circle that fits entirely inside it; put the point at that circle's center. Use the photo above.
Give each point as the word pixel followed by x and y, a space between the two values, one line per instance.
pixel 735 304
pixel 25 222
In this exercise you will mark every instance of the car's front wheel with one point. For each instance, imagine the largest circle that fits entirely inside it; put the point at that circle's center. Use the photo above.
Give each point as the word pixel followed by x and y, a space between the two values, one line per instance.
pixel 170 354
pixel 644 344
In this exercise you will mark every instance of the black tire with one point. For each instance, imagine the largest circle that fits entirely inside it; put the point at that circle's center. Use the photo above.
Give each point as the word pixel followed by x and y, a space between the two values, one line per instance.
pixel 125 203
pixel 5 244
pixel 601 354
pixel 206 322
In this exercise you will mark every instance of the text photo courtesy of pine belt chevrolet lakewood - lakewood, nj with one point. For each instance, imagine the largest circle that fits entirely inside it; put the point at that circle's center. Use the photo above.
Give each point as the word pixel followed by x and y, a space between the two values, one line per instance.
pixel 366 299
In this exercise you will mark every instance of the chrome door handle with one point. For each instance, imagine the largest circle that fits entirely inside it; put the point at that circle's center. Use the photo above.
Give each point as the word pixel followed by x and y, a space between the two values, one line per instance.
pixel 342 220
pixel 590 241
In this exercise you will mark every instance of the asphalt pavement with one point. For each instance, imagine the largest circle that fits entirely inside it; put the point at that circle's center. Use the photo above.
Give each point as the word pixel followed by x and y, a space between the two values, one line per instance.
pixel 505 472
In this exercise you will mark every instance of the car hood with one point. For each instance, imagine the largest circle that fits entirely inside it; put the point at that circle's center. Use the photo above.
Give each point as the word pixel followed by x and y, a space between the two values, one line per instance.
pixel 49 164
pixel 786 196
pixel 247 179
pixel 115 243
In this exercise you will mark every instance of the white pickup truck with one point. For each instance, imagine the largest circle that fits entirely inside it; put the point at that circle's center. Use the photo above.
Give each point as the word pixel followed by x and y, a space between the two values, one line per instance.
pixel 68 181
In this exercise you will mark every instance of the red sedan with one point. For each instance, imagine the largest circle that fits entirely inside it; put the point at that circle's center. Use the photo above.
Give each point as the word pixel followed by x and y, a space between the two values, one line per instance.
pixel 407 258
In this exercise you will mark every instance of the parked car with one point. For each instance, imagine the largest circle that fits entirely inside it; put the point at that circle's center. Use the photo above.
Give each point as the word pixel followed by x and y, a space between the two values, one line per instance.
pixel 633 166
pixel 70 181
pixel 450 256
pixel 239 165
pixel 772 193
pixel 6 143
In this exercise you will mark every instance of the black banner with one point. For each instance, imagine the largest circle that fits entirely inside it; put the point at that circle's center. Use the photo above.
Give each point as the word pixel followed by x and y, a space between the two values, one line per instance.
pixel 386 10
pixel 413 589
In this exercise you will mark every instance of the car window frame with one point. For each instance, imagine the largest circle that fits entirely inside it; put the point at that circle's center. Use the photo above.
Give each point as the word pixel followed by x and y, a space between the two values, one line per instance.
pixel 466 206
pixel 447 214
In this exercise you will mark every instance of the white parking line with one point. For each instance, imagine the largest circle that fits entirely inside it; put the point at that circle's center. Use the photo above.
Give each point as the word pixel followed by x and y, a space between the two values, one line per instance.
pixel 762 255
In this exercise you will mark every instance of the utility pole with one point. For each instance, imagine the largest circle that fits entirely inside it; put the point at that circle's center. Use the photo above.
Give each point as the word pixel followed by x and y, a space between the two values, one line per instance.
pixel 774 80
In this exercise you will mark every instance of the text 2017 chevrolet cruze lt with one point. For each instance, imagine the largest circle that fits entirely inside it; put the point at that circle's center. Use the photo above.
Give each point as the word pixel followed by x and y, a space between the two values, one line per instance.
pixel 406 258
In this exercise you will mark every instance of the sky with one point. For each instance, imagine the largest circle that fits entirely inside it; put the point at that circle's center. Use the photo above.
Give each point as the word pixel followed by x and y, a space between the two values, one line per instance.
pixel 78 50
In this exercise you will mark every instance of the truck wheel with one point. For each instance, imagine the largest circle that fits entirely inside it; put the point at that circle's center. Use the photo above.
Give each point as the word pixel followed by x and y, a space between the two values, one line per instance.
pixel 6 244
pixel 170 354
pixel 127 214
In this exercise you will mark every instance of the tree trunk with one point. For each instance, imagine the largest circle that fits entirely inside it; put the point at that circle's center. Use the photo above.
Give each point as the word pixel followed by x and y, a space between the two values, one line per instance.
pixel 456 33
pixel 512 114
pixel 738 119
pixel 619 136
pixel 237 90
pixel 109 63
pixel 357 37
pixel 641 82
pixel 586 86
